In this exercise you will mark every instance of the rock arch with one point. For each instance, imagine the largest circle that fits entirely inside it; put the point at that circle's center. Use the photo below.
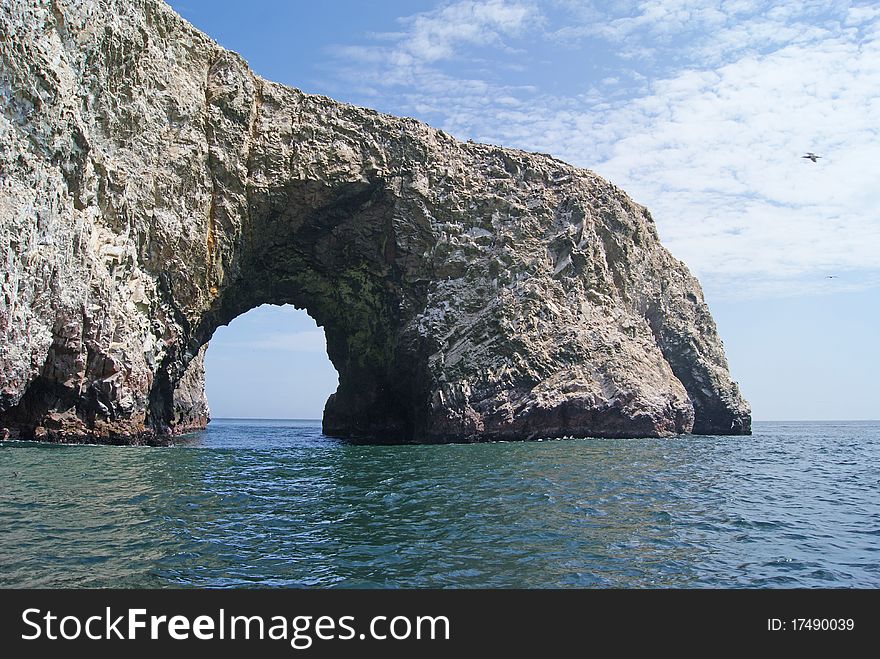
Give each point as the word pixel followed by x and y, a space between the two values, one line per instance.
pixel 335 259
pixel 153 188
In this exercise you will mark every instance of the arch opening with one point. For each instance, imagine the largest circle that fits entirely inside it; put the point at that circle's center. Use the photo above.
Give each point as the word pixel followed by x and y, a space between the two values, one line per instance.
pixel 333 252
pixel 468 292
pixel 269 363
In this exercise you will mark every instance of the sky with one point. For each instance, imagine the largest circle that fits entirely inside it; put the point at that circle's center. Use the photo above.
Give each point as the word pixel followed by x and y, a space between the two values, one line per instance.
pixel 699 110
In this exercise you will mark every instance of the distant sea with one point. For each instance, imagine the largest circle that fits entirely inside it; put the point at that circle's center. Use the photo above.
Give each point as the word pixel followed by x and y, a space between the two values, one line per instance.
pixel 275 503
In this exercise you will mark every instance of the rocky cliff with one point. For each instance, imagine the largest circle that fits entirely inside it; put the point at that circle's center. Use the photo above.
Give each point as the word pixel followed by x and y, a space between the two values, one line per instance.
pixel 152 188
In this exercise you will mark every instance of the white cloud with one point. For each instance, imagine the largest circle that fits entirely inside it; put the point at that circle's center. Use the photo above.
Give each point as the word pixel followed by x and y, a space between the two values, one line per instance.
pixel 308 341
pixel 860 15
pixel 437 35
pixel 709 134
pixel 434 35
pixel 711 152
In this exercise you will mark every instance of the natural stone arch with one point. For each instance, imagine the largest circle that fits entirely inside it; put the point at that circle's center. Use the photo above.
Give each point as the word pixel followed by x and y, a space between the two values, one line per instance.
pixel 336 260
pixel 154 189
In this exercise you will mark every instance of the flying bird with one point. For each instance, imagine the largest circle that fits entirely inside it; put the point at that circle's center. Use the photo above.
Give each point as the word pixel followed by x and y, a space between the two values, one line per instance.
pixel 811 156
pixel 830 276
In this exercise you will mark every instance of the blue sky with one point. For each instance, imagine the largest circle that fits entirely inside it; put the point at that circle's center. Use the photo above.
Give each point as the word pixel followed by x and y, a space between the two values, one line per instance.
pixel 700 110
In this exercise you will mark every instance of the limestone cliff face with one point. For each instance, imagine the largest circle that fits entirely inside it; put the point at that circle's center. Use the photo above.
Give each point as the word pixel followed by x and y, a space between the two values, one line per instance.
pixel 152 188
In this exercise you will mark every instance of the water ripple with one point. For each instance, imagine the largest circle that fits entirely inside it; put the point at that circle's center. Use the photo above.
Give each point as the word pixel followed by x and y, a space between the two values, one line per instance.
pixel 277 504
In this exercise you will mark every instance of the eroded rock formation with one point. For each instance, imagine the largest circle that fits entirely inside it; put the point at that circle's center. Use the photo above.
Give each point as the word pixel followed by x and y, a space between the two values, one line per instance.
pixel 152 188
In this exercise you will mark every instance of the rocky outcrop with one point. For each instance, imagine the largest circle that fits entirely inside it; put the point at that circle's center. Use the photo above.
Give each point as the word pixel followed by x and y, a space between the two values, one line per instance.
pixel 152 188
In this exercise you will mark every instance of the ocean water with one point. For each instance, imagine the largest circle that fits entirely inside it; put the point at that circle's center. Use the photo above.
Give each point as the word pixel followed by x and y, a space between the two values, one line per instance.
pixel 275 503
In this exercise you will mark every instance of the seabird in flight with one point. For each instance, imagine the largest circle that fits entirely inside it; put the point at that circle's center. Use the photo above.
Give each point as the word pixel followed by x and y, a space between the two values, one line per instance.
pixel 811 156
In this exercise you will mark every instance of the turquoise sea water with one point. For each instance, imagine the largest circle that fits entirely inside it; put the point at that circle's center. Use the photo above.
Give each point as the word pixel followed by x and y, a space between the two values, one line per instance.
pixel 275 503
